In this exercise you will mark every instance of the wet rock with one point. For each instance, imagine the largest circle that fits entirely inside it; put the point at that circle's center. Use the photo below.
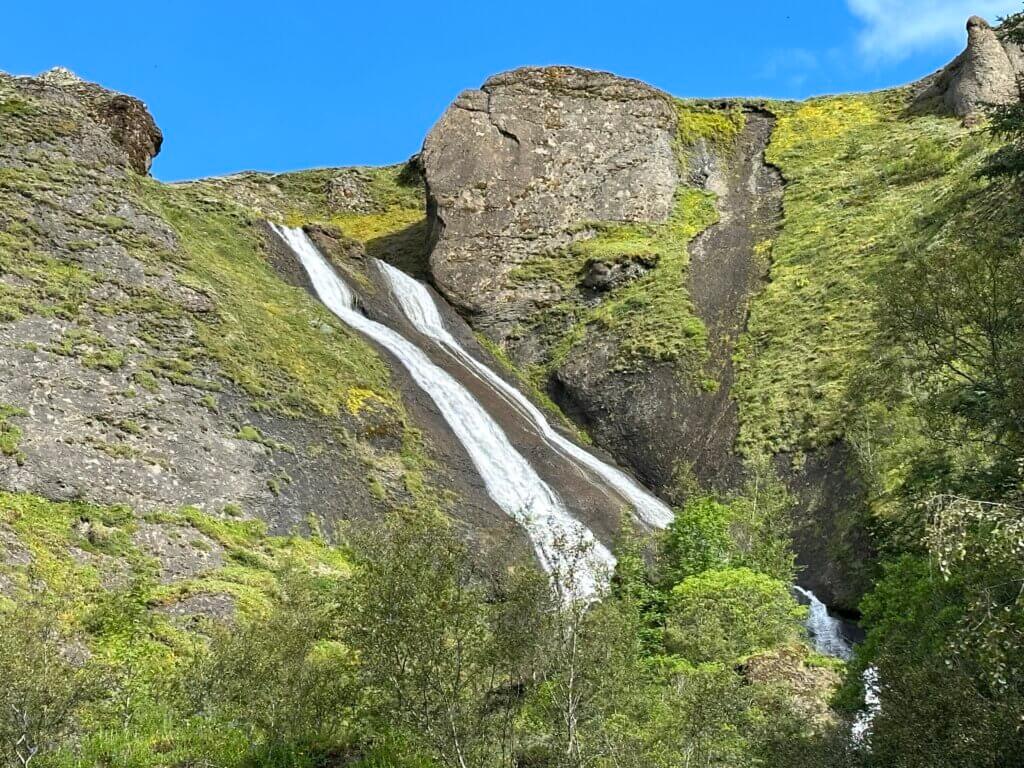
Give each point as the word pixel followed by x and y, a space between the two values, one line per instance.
pixel 985 73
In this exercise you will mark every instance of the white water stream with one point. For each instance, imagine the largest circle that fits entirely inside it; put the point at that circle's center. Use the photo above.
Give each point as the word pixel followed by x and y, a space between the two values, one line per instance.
pixel 510 480
pixel 421 310
pixel 825 630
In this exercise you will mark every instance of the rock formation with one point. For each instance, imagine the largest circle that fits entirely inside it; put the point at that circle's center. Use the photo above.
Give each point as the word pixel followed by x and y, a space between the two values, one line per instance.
pixel 516 167
pixel 131 128
pixel 987 72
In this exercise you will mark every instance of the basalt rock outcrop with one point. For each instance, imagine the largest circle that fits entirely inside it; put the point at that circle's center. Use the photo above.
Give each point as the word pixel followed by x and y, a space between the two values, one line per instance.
pixel 129 124
pixel 514 168
pixel 987 72
pixel 503 196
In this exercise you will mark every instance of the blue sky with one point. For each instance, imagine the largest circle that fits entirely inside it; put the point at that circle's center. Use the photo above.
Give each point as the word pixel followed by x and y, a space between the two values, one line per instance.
pixel 286 85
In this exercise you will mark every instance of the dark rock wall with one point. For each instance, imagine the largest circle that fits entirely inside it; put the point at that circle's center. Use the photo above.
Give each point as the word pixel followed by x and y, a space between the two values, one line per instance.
pixel 652 418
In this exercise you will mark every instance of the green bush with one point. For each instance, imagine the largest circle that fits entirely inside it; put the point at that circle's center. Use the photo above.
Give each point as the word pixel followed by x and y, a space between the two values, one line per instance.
pixel 43 686
pixel 730 613
pixel 284 679
pixel 699 539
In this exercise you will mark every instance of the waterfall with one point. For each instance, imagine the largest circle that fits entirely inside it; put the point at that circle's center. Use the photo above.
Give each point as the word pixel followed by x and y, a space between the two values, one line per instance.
pixel 825 631
pixel 510 480
pixel 861 730
pixel 421 310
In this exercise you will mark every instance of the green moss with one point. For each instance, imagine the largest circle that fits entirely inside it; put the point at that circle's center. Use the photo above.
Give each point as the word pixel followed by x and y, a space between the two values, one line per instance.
pixel 265 334
pixel 146 380
pixel 254 435
pixel 42 284
pixel 698 121
pixel 10 435
pixel 651 318
pixel 860 178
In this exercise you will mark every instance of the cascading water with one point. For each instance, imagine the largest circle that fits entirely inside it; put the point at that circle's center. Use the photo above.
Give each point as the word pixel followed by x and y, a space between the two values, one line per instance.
pixel 825 630
pixel 510 480
pixel 421 310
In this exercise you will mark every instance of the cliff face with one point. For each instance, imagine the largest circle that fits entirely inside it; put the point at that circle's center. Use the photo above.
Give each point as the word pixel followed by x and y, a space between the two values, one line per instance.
pixel 632 309
pixel 515 168
pixel 163 356
pixel 690 285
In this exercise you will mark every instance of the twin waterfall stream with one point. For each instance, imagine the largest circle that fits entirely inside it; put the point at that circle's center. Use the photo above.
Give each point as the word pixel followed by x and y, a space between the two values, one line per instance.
pixel 558 538
pixel 510 480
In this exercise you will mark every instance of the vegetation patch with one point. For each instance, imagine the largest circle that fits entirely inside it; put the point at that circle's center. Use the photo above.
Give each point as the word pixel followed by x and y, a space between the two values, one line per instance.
pixel 266 334
pixel 862 180
pixel 10 434
pixel 651 318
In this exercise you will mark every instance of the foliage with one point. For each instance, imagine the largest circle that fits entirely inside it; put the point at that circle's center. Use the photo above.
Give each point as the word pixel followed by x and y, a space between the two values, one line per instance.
pixel 1007 120
pixel 44 685
pixel 284 679
pixel 751 529
pixel 864 181
pixel 418 621
pixel 698 539
pixel 730 613
pixel 938 706
pixel 955 304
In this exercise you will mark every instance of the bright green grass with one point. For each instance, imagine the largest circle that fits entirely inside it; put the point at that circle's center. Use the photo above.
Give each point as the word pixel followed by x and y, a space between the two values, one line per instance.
pixel 860 180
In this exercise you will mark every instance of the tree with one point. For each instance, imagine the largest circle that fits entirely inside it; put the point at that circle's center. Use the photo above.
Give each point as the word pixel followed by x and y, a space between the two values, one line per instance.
pixel 726 614
pixel 419 621
pixel 940 703
pixel 954 302
pixel 1007 120
pixel 43 686
pixel 282 678
pixel 698 539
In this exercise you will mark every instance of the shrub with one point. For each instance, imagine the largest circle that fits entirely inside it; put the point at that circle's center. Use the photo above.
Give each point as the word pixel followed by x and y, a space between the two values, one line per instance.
pixel 43 685
pixel 697 540
pixel 730 613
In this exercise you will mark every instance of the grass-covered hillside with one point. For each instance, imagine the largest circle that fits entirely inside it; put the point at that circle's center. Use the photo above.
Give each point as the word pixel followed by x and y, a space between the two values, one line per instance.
pixel 225 541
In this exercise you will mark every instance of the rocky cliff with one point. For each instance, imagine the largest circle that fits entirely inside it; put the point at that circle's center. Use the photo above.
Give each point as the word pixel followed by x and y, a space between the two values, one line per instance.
pixel 670 273
pixel 687 285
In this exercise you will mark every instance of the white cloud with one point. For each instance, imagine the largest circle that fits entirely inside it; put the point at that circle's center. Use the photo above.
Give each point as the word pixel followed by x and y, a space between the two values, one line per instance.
pixel 895 29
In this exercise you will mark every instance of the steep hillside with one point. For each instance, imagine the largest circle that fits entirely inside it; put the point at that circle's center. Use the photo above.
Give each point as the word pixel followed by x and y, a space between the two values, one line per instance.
pixel 681 354
pixel 735 325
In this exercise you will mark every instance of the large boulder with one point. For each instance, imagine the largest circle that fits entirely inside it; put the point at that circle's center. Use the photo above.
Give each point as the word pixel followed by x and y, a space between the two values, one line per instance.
pixel 514 168
pixel 985 73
